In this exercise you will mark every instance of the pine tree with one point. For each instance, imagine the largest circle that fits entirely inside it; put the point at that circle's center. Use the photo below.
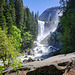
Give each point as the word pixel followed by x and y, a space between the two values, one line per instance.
pixel 34 27
pixel 71 4
pixel 28 20
pixel 27 41
pixel 8 17
pixel 9 21
pixel 68 38
pixel 2 3
pixel 24 25
pixel 19 13
pixel 2 21
pixel 68 24
pixel 12 11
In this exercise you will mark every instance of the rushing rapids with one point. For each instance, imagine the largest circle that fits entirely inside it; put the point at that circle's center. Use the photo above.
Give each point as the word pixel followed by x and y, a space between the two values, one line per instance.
pixel 44 29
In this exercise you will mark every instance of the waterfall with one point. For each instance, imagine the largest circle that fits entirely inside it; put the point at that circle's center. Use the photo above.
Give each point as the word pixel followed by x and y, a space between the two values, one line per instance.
pixel 45 28
pixel 44 31
pixel 40 30
pixel 40 48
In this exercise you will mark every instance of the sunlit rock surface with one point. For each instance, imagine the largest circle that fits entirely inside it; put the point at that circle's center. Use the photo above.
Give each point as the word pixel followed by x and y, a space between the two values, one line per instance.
pixel 50 12
pixel 57 65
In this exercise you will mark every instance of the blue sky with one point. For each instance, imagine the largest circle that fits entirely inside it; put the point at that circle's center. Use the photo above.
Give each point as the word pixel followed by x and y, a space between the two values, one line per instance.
pixel 40 5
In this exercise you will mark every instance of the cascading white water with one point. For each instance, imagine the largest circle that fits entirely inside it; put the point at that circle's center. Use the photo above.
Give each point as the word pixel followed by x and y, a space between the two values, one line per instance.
pixel 42 49
pixel 43 31
pixel 40 30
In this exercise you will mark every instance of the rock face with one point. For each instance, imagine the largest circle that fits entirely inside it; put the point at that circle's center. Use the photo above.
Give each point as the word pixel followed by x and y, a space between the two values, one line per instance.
pixel 57 65
pixel 50 12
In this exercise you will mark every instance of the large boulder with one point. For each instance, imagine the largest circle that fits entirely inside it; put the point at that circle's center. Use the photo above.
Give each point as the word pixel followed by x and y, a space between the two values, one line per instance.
pixel 50 12
pixel 57 65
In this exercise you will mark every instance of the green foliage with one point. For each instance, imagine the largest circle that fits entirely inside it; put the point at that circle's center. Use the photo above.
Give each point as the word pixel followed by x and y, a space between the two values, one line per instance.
pixel 18 30
pixel 34 27
pixel 67 25
pixel 67 4
pixel 16 64
pixel 7 50
pixel 9 22
pixel 30 23
pixel 2 21
pixel 1 69
pixel 27 41
pixel 28 19
pixel 36 16
pixel 16 33
pixel 12 11
pixel 2 2
pixel 29 29
pixel 19 13
pixel 68 38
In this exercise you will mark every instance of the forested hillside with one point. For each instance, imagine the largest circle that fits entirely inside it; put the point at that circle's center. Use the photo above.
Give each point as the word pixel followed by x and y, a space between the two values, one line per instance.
pixel 18 29
pixel 67 26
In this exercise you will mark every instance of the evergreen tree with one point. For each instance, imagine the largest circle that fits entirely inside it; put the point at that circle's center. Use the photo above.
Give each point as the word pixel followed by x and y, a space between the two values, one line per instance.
pixel 32 24
pixel 71 4
pixel 68 24
pixel 9 21
pixel 24 25
pixel 2 3
pixel 68 37
pixel 67 4
pixel 19 23
pixel 34 27
pixel 19 13
pixel 8 17
pixel 11 29
pixel 27 41
pixel 28 20
pixel 29 29
pixel 36 16
pixel 12 11
pixel 2 21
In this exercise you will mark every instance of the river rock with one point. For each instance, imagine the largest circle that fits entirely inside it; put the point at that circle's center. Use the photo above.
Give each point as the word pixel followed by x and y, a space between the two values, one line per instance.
pixel 29 60
pixel 56 65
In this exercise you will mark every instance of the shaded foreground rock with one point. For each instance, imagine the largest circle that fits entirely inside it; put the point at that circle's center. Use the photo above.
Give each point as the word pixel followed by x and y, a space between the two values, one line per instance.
pixel 57 65
pixel 46 70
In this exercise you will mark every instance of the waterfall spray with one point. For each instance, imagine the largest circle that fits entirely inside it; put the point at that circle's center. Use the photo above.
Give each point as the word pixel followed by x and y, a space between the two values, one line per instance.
pixel 43 32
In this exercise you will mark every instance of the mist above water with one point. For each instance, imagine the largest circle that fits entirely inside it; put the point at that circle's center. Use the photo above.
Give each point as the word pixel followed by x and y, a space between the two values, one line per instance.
pixel 44 29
